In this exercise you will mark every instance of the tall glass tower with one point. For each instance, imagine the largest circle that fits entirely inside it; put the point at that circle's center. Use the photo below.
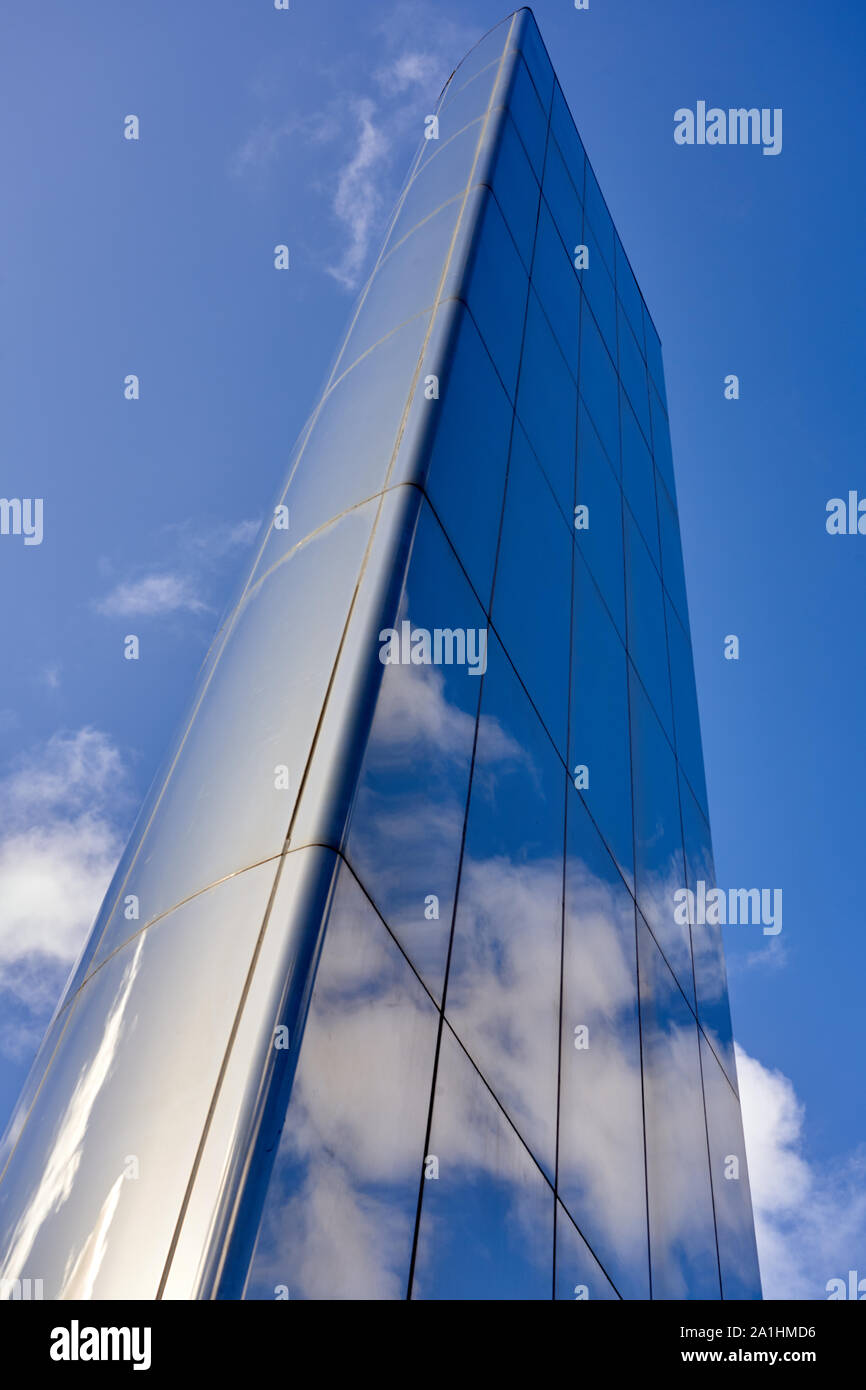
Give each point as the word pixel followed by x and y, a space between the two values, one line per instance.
pixel 388 997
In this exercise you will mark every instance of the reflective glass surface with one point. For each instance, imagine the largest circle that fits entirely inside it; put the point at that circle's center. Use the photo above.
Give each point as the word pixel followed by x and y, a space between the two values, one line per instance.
pixel 486 1229
pixel 503 983
pixel 601 1156
pixel 599 732
pixel 466 475
pixel 498 316
pixel 533 583
pixel 93 1190
pixel 738 1256
pixel 681 1227
pixel 405 832
pixel 339 1216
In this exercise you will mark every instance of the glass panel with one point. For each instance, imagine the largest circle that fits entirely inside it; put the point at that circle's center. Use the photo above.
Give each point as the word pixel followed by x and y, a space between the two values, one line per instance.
pixel 707 939
pixel 632 370
pixel 531 601
pixel 486 51
pixel 496 293
pixel 599 217
pixel 601 1150
pixel 534 53
pixel 555 281
pixel 662 445
pixel 272 717
pixel 466 478
pixel 654 356
pixel 339 1215
pixel 470 101
pixel 563 201
pixel 406 282
pixel 516 190
pixel 682 1233
pixel 579 1276
pixel 93 1192
pixel 598 288
pixel 638 477
pixel 685 698
pixel 599 719
pixel 503 984
pixel 672 554
pixel 407 819
pixel 486 1228
pixel 598 386
pixel 563 129
pixel 659 868
pixel 348 454
pixel 547 406
pixel 444 176
pixel 630 295
pixel 528 116
pixel 601 541
pixel 738 1255
pixel 647 641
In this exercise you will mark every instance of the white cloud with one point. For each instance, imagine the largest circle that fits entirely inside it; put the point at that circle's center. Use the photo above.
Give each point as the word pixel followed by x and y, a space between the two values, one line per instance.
pixel 179 584
pixel 810 1217
pixel 59 843
pixel 357 201
pixel 407 71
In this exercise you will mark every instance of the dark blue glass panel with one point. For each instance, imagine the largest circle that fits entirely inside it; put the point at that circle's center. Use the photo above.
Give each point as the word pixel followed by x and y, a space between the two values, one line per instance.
pixel 498 316
pixel 599 217
pixel 661 442
pixel 516 189
pixel 599 719
pixel 638 478
pixel 629 294
pixel 659 869
pixel 687 725
pixel 647 641
pixel 682 1231
pixel 547 405
pixel 601 542
pixel 654 356
pixel 632 370
pixel 528 116
pixel 555 281
pixel 535 55
pixel 563 201
pixel 466 476
pixel 598 287
pixel 672 553
pixel 532 588
pixel 598 385
pixel 564 131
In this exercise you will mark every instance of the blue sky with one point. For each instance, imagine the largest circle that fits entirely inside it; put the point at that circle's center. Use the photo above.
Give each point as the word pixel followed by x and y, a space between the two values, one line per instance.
pixel 155 257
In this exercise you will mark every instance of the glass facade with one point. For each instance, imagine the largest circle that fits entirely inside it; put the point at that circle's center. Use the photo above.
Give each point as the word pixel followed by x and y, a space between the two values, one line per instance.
pixel 388 997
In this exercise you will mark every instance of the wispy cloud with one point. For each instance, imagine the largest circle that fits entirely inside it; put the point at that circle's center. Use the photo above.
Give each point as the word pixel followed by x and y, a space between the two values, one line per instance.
pixel 151 597
pixel 810 1217
pixel 386 112
pixel 358 200
pixel 180 585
